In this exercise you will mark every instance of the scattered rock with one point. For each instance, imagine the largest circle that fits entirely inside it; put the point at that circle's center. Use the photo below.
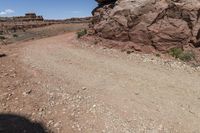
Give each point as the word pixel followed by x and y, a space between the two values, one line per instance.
pixel 57 124
pixel 28 92
pixel 84 88
pixel 51 122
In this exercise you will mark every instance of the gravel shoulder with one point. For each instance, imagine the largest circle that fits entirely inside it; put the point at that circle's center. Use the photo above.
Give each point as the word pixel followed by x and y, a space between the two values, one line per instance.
pixel 71 86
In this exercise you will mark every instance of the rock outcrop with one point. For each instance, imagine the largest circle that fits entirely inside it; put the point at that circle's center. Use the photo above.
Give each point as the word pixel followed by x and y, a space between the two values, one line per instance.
pixel 29 17
pixel 78 20
pixel 150 24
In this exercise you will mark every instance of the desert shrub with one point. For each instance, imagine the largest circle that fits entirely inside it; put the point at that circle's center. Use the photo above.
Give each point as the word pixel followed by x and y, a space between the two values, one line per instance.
pixel 157 55
pixel 2 37
pixel 15 35
pixel 175 52
pixel 187 56
pixel 178 53
pixel 81 33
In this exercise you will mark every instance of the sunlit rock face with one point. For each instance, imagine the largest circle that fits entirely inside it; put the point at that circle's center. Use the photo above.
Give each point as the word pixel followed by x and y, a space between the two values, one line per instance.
pixel 156 24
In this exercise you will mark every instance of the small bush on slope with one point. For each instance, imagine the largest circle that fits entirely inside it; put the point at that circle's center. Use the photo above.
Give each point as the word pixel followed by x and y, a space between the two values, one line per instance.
pixel 81 33
pixel 178 53
pixel 2 38
pixel 15 35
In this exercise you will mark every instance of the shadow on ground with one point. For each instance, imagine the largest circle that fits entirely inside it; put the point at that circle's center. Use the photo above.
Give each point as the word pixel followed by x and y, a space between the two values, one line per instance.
pixel 11 123
pixel 2 55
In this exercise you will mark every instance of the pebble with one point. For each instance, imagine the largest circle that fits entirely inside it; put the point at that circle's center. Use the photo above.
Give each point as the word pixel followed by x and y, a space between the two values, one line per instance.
pixel 84 88
pixel 41 109
pixel 50 123
pixel 27 92
pixel 57 124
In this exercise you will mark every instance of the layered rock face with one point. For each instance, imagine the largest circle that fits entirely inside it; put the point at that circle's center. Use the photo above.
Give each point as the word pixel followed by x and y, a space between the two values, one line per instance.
pixel 28 17
pixel 153 24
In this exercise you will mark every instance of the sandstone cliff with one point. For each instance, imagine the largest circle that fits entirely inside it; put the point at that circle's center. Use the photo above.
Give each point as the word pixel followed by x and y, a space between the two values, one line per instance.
pixel 151 24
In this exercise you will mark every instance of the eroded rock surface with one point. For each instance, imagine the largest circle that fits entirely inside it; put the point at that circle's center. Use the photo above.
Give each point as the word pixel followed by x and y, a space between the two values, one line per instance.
pixel 152 24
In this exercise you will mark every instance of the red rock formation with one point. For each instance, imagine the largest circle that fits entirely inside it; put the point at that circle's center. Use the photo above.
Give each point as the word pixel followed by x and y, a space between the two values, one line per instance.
pixel 78 20
pixel 155 24
pixel 29 17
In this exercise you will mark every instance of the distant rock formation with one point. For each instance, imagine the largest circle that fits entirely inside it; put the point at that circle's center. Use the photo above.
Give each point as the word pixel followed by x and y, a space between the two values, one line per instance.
pixel 150 24
pixel 29 17
pixel 78 20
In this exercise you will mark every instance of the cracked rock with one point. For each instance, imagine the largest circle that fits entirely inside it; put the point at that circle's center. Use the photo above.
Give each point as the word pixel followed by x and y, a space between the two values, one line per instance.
pixel 149 24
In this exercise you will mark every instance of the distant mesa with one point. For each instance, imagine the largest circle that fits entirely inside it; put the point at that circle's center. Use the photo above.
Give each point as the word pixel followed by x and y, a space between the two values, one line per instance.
pixel 29 17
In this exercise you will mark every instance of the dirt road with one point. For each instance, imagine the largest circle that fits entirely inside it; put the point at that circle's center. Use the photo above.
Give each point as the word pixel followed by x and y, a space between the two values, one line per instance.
pixel 72 87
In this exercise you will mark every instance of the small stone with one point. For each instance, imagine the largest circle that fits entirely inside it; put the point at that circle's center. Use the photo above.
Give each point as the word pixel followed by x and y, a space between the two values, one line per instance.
pixel 10 94
pixel 50 123
pixel 137 93
pixel 6 74
pixel 84 88
pixel 57 124
pixel 27 92
pixel 41 109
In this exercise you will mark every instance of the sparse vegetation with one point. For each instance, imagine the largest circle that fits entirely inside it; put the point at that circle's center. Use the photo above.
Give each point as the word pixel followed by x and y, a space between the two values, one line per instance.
pixel 81 33
pixel 2 37
pixel 187 56
pixel 157 55
pixel 178 53
pixel 15 35
pixel 175 52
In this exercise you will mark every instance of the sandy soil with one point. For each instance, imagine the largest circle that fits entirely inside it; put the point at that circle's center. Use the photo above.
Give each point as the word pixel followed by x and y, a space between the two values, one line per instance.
pixel 72 87
pixel 41 32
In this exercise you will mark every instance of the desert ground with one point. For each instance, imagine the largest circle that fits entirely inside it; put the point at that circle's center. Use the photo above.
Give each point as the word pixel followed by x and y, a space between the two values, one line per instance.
pixel 68 85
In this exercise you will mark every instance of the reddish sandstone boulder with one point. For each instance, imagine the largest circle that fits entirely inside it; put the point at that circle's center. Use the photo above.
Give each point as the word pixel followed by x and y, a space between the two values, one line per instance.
pixel 160 24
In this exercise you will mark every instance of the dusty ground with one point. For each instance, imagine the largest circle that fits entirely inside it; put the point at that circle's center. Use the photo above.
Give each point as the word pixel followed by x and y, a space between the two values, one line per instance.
pixel 72 87
pixel 41 32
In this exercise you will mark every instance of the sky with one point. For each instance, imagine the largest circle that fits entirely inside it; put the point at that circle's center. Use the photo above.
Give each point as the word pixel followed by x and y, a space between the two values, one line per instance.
pixel 49 9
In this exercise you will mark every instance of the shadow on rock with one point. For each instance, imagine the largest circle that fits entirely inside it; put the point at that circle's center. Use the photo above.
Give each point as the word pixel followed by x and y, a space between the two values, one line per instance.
pixel 10 123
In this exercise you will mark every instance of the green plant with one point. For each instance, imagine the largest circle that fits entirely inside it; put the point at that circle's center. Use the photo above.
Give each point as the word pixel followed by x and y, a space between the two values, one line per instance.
pixel 187 56
pixel 157 55
pixel 15 35
pixel 2 37
pixel 175 52
pixel 178 53
pixel 81 33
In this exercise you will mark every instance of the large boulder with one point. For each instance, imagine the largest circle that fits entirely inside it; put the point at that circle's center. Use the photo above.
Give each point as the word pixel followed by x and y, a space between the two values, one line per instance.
pixel 160 24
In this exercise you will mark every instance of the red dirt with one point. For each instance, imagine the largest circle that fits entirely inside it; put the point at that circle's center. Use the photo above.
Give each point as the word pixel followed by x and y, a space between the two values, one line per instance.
pixel 71 87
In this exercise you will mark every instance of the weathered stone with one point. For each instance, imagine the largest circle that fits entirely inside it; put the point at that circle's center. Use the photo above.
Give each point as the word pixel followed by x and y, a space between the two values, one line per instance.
pixel 28 17
pixel 161 24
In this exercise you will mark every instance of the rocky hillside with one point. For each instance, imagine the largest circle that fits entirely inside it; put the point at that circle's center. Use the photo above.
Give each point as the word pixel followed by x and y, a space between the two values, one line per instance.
pixel 150 24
